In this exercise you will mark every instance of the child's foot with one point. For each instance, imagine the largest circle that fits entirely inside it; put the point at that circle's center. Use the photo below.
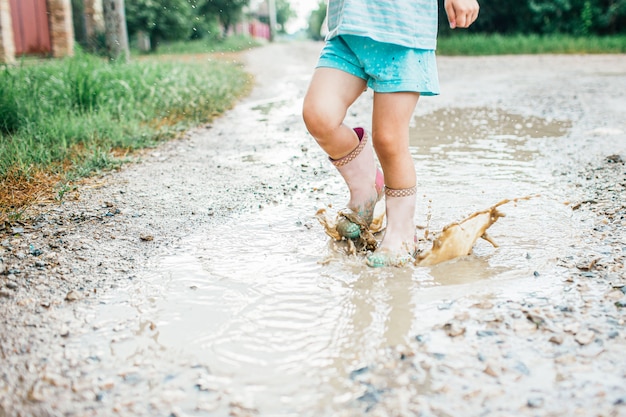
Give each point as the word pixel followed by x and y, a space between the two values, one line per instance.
pixel 366 184
pixel 351 222
pixel 399 244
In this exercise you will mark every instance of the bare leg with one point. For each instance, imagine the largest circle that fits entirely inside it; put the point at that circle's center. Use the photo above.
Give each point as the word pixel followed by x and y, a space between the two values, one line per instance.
pixel 326 103
pixel 390 131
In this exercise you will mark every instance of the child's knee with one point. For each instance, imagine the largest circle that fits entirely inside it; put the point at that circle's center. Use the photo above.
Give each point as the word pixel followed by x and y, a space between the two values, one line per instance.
pixel 317 119
pixel 387 146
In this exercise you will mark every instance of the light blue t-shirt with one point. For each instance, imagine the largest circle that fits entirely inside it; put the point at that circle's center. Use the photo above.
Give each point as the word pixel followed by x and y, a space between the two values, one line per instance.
pixel 410 23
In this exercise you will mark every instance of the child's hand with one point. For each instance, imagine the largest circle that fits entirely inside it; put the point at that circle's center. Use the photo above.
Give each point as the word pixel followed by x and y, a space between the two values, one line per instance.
pixel 461 13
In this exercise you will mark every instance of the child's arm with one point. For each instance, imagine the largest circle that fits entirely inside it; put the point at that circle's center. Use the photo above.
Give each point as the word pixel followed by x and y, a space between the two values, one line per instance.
pixel 461 13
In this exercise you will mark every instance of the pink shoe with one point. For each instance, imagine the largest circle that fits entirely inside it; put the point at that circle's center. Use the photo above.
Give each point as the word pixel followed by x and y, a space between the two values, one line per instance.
pixel 399 244
pixel 366 184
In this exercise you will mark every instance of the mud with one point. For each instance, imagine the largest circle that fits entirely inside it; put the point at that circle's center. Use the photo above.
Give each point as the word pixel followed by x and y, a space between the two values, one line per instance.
pixel 455 239
pixel 198 282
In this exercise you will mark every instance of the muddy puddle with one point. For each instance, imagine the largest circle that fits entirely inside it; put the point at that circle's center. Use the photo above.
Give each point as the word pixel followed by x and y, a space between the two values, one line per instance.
pixel 281 317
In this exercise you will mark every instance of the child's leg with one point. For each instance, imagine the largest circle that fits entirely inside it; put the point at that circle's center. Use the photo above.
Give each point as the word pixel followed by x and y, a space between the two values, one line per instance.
pixel 326 103
pixel 390 131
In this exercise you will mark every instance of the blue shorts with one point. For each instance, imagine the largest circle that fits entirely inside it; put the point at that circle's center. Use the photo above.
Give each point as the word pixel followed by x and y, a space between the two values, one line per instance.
pixel 386 67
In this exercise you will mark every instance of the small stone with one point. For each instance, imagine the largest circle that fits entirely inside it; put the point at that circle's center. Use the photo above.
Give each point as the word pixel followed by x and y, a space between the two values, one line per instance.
pixel 36 393
pixel 34 251
pixel 73 295
pixel 557 339
pixel 446 305
pixel 614 159
pixel 484 305
pixel 490 371
pixel 614 295
pixel 5 294
pixel 453 329
pixel 620 401
pixel 12 285
pixel 585 337
pixel 52 257
pixel 107 385
pixel 56 380
pixel 357 372
pixel 535 402
pixel 146 238
pixel 572 327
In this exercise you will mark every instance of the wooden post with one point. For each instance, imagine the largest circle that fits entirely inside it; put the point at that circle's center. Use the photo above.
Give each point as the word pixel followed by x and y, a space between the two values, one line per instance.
pixel 115 29
pixel 61 28
pixel 94 22
pixel 7 45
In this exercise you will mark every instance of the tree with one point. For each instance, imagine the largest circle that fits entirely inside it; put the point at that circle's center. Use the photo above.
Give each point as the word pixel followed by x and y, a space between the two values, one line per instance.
pixel 573 17
pixel 160 19
pixel 115 29
pixel 80 32
pixel 316 19
pixel 284 13
pixel 611 16
pixel 228 12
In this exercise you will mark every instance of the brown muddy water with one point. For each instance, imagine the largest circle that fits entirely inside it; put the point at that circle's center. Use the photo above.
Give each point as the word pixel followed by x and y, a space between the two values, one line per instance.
pixel 280 317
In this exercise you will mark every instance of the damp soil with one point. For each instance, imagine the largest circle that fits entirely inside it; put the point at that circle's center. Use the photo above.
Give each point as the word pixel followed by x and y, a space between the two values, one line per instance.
pixel 198 282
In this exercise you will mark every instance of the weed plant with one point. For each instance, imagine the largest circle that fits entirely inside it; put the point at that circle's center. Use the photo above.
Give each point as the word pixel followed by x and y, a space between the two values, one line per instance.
pixel 477 44
pixel 202 46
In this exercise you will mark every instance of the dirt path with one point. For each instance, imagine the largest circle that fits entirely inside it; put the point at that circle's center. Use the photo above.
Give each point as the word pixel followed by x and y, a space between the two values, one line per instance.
pixel 563 348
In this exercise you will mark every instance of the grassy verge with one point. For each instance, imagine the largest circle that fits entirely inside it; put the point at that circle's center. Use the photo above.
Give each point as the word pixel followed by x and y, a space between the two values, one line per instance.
pixel 473 44
pixel 60 120
pixel 201 46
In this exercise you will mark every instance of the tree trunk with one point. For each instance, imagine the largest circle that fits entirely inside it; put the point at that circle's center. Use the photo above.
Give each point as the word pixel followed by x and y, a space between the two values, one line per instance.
pixel 115 28
pixel 272 16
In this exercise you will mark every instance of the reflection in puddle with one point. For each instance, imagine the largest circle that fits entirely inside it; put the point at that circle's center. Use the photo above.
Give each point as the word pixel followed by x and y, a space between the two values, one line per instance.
pixel 468 140
pixel 465 125
pixel 284 330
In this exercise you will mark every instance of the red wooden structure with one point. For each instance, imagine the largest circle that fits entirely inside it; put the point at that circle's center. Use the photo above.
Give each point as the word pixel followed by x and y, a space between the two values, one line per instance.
pixel 31 31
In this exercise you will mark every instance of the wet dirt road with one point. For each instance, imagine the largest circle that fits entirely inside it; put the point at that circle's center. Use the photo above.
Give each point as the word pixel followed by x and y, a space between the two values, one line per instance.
pixel 199 283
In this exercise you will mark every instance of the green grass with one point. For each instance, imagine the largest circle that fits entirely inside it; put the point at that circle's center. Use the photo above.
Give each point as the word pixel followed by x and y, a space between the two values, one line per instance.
pixel 74 115
pixel 202 46
pixel 473 44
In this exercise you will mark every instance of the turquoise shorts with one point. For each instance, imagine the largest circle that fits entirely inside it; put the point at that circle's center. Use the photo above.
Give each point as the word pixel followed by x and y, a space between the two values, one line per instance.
pixel 386 67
